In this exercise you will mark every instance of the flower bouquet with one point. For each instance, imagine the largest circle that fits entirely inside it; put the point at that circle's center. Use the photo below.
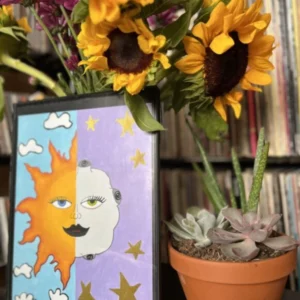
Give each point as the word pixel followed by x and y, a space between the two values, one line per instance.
pixel 237 255
pixel 200 53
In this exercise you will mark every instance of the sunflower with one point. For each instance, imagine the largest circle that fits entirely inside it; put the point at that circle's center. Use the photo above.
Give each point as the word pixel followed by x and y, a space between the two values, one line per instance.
pixel 109 10
pixel 7 11
pixel 232 50
pixel 126 48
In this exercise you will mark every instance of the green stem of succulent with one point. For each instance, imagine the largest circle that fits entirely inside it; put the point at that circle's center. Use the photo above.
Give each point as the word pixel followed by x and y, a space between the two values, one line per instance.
pixel 24 68
pixel 46 30
pixel 240 180
pixel 74 35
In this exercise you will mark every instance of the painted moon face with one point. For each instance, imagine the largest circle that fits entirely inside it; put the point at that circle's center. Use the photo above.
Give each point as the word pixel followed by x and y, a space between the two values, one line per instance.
pixel 97 212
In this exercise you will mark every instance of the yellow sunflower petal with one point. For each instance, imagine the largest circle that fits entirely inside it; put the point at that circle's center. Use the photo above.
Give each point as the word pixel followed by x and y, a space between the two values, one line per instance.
pixel 215 22
pixel 98 63
pixel 23 22
pixel 136 83
pixel 144 44
pixel 228 22
pixel 114 13
pixel 236 7
pixel 127 25
pixel 258 77
pixel 193 46
pixel 190 64
pixel 222 43
pixel 120 81
pixel 246 85
pixel 8 10
pixel 220 108
pixel 143 29
pixel 262 46
pixel 247 35
pixel 259 63
pixel 97 11
pixel 202 32
pixel 237 108
pixel 233 99
pixel 144 2
pixel 163 59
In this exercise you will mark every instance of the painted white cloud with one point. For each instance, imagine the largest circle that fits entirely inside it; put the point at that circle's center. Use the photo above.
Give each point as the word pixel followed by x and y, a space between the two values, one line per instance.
pixel 57 295
pixel 55 121
pixel 24 296
pixel 30 147
pixel 23 270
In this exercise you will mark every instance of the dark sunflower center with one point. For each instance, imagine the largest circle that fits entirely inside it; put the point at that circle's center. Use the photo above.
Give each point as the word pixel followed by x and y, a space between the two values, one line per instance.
pixel 124 54
pixel 223 72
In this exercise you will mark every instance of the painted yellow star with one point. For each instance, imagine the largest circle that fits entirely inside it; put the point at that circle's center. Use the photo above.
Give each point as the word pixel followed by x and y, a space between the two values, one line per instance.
pixel 135 250
pixel 126 123
pixel 91 123
pixel 126 292
pixel 138 159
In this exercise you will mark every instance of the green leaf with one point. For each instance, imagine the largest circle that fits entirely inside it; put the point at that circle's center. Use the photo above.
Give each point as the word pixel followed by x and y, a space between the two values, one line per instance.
pixel 211 194
pixel 240 180
pixel 258 180
pixel 80 11
pixel 176 31
pixel 141 113
pixel 211 178
pixel 159 7
pixel 211 122
pixel 1 99
pixel 232 199
pixel 9 31
pixel 204 14
pixel 196 6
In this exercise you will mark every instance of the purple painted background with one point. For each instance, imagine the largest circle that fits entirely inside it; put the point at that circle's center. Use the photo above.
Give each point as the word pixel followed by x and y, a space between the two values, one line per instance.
pixel 110 152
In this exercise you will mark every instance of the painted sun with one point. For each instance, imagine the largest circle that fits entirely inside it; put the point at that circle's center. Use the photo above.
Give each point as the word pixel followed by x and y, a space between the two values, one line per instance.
pixel 52 210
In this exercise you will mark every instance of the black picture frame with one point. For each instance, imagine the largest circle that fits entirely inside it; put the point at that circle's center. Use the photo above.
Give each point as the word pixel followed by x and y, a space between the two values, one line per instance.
pixel 152 97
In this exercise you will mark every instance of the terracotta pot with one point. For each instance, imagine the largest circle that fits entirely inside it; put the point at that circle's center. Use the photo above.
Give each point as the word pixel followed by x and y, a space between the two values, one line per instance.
pixel 259 280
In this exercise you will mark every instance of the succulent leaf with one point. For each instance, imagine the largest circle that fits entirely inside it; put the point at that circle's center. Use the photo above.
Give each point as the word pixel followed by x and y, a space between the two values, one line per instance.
pixel 235 218
pixel 221 236
pixel 195 226
pixel 245 250
pixel 251 230
pixel 284 243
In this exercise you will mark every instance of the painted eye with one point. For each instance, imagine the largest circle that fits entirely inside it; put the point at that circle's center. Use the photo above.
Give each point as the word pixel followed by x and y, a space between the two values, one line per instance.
pixel 93 203
pixel 61 204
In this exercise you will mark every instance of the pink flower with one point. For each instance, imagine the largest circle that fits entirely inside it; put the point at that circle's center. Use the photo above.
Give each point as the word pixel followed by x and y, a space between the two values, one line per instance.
pixel 163 19
pixel 68 4
pixel 72 62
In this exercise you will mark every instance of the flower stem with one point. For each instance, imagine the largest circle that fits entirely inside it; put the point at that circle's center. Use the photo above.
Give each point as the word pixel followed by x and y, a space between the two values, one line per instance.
pixel 64 46
pixel 71 27
pixel 51 40
pixel 24 68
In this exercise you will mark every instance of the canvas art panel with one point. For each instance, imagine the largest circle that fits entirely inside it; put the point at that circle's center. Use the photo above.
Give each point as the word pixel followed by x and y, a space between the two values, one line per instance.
pixel 85 202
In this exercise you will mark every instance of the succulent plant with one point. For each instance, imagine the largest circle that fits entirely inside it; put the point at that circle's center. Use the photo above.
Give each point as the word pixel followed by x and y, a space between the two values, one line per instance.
pixel 196 225
pixel 249 229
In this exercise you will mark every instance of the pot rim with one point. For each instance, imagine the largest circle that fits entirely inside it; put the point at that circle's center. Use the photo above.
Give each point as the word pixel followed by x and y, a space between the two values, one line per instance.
pixel 234 272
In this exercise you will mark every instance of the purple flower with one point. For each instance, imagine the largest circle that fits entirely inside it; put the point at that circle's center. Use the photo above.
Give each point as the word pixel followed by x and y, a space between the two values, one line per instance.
pixel 51 15
pixel 72 62
pixel 8 2
pixel 163 19
pixel 68 4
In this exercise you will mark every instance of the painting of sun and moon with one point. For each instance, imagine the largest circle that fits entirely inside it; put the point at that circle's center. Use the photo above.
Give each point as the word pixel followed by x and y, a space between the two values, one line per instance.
pixel 83 206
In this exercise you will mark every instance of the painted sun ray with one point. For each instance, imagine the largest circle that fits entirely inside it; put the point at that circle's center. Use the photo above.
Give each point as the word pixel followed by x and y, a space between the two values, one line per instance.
pixel 47 221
